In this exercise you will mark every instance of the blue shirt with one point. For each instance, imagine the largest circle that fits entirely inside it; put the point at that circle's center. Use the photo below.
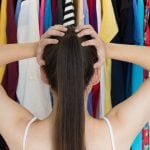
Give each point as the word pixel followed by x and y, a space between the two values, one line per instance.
pixel 137 71
pixel 86 12
pixel 48 15
pixel 18 7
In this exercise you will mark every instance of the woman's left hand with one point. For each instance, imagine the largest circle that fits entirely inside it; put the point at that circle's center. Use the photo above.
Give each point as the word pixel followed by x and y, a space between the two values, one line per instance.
pixel 95 41
pixel 57 30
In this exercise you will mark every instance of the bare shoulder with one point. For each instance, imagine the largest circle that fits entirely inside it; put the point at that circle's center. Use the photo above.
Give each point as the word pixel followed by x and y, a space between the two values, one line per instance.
pixel 97 135
pixel 130 116
pixel 43 131
pixel 120 134
pixel 13 118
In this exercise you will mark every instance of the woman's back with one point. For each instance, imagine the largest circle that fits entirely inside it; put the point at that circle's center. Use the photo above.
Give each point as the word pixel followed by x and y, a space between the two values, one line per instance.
pixel 99 135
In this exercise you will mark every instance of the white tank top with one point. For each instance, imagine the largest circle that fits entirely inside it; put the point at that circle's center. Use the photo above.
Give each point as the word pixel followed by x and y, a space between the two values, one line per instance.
pixel 104 118
pixel 110 132
pixel 26 131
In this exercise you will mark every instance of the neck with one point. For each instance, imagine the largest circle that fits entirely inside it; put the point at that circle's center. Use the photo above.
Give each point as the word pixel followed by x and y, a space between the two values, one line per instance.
pixel 55 103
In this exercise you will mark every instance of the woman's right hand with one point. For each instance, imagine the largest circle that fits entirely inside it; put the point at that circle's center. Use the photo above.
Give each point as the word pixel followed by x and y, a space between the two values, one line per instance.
pixel 95 41
pixel 57 30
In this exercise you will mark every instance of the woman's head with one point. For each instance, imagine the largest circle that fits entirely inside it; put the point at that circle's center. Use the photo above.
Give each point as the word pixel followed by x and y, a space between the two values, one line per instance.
pixel 66 50
pixel 69 69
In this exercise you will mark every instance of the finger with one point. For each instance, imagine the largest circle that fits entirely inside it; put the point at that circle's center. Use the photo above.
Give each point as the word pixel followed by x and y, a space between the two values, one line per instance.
pixel 97 65
pixel 80 28
pixel 92 42
pixel 45 42
pixel 95 43
pixel 40 61
pixel 85 32
pixel 42 45
pixel 59 28
pixel 52 32
pixel 39 58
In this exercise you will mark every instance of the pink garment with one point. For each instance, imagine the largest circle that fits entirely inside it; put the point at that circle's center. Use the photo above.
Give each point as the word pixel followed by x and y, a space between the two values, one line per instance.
pixel 42 10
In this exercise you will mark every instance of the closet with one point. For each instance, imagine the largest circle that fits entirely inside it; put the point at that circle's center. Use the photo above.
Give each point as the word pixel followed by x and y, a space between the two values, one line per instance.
pixel 116 21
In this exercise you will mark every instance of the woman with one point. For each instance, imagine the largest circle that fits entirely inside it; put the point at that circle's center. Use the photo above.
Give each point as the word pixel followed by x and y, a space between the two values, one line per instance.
pixel 70 65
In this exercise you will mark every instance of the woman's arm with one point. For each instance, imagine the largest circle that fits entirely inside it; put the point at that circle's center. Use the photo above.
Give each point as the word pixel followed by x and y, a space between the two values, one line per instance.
pixel 14 52
pixel 130 116
pixel 130 53
pixel 14 117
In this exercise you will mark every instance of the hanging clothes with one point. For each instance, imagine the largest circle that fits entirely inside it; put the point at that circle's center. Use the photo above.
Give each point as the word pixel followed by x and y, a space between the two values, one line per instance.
pixel 95 99
pixel 90 108
pixel 86 22
pixel 109 29
pixel 145 137
pixel 147 24
pixel 10 78
pixel 80 12
pixel 31 90
pixel 146 129
pixel 108 21
pixel 18 6
pixel 59 12
pixel 69 13
pixel 48 15
pixel 99 15
pixel 122 71
pixel 86 12
pixel 54 5
pixel 42 13
pixel 3 6
pixel 93 14
pixel 96 88
pixel 94 23
pixel 137 71
pixel 101 101
pixel 3 22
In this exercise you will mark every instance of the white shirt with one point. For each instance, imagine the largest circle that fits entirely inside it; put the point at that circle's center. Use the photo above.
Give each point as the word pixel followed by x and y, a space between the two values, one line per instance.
pixel 101 105
pixel 31 91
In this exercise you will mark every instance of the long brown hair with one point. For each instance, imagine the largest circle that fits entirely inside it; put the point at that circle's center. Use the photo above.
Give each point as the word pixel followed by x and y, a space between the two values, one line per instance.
pixel 69 68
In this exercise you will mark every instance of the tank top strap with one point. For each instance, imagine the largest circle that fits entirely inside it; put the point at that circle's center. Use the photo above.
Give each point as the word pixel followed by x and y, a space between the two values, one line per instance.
pixel 110 132
pixel 27 130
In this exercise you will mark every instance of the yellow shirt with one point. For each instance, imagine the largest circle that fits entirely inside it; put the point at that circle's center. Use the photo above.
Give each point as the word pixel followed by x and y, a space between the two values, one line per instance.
pixel 109 29
pixel 3 20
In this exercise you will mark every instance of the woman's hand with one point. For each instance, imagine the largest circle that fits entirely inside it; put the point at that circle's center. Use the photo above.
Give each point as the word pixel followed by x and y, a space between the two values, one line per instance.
pixel 95 41
pixel 57 30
